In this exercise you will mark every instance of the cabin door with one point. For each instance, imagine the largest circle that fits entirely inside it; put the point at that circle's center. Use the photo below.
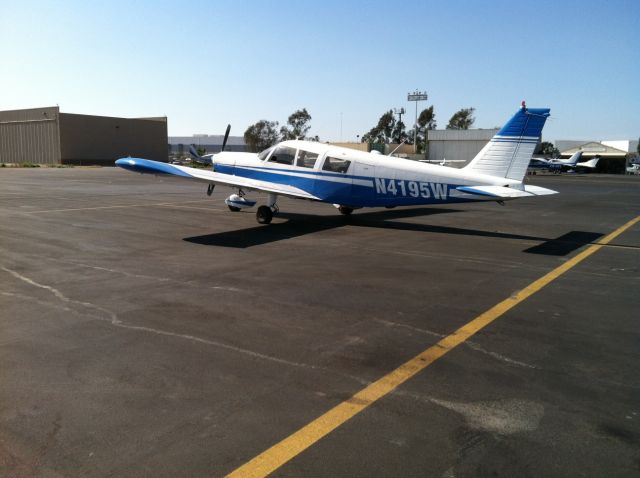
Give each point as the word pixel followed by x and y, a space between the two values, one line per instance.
pixel 362 184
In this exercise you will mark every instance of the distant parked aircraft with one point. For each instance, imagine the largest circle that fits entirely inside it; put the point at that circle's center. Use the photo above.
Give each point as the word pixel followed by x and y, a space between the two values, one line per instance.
pixel 443 162
pixel 561 165
pixel 633 168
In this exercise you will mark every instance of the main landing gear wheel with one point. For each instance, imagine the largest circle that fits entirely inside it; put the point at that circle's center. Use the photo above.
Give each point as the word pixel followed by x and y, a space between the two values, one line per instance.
pixel 233 208
pixel 345 210
pixel 264 215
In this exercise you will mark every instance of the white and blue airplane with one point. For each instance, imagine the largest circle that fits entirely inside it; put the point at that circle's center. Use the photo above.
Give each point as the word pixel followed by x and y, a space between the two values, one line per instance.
pixel 351 179
pixel 560 165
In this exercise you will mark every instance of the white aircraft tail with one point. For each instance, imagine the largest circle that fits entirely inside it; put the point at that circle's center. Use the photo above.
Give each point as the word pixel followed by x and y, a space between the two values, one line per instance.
pixel 592 163
pixel 509 152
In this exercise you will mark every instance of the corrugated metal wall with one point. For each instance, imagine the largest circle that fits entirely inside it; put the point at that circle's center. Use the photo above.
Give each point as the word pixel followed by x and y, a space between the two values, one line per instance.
pixel 46 136
pixel 30 136
pixel 457 144
pixel 101 139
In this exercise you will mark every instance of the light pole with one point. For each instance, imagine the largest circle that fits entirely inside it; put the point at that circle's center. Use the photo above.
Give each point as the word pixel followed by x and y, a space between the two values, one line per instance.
pixel 416 96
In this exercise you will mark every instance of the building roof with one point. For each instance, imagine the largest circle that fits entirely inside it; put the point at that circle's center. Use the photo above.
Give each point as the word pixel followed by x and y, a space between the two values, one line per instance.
pixel 594 148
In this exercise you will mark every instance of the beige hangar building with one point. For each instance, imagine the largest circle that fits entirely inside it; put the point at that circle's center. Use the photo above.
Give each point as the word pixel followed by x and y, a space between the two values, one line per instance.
pixel 47 136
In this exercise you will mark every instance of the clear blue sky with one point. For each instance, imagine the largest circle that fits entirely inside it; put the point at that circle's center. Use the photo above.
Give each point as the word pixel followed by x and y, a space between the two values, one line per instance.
pixel 208 63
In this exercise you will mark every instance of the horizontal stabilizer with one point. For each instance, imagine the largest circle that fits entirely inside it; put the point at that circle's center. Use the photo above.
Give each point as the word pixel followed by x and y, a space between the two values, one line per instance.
pixel 592 163
pixel 539 191
pixel 495 191
pixel 506 193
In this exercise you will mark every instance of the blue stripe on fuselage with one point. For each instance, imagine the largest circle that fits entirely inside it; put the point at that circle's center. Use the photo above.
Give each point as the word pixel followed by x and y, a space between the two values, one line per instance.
pixel 380 192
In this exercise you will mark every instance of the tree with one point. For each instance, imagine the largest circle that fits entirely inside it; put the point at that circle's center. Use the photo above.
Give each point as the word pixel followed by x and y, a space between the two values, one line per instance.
pixel 261 135
pixel 638 148
pixel 426 121
pixel 548 150
pixel 462 119
pixel 399 134
pixel 201 151
pixel 427 118
pixel 383 131
pixel 299 125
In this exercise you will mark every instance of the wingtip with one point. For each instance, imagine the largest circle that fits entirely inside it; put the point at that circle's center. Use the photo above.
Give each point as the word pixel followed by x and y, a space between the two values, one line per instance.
pixel 122 162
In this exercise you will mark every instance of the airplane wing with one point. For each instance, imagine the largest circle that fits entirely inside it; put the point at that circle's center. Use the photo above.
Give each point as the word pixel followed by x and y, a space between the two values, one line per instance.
pixel 506 193
pixel 147 166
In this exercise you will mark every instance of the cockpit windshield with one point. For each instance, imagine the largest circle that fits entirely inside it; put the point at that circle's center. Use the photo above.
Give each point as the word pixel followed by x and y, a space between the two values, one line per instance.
pixel 263 155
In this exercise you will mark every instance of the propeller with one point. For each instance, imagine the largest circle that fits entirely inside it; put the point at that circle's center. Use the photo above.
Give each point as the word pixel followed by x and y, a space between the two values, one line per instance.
pixel 226 137
pixel 194 153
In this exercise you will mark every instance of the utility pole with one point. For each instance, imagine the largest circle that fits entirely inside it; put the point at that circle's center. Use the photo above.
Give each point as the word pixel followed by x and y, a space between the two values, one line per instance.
pixel 416 96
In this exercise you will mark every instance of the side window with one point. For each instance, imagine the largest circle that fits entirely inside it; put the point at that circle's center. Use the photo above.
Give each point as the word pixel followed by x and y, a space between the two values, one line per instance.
pixel 283 155
pixel 306 159
pixel 336 165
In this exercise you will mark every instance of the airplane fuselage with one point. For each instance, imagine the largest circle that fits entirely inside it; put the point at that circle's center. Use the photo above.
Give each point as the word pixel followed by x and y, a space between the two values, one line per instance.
pixel 371 180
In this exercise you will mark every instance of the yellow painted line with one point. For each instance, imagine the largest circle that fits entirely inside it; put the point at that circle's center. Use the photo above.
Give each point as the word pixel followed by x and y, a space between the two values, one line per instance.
pixel 280 453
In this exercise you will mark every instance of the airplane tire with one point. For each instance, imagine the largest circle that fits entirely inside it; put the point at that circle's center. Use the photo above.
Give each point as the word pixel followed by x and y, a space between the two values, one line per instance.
pixel 264 215
pixel 233 208
pixel 345 210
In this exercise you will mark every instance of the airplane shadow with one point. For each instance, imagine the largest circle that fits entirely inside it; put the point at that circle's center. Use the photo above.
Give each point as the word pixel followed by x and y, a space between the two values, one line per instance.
pixel 565 244
pixel 302 224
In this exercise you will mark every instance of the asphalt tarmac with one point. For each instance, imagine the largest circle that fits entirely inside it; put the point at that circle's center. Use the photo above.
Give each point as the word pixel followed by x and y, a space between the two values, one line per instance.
pixel 146 330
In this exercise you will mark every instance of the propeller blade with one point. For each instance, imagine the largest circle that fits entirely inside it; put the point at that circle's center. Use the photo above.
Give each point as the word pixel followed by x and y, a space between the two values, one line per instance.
pixel 226 137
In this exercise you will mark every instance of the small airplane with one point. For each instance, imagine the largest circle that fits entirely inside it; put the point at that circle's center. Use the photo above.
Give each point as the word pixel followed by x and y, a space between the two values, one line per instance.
pixel 442 162
pixel 560 165
pixel 204 159
pixel 207 159
pixel 633 168
pixel 351 179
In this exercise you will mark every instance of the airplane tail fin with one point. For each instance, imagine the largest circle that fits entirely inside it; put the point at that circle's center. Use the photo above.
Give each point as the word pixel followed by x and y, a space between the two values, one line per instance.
pixel 196 157
pixel 509 152
pixel 193 153
pixel 573 160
